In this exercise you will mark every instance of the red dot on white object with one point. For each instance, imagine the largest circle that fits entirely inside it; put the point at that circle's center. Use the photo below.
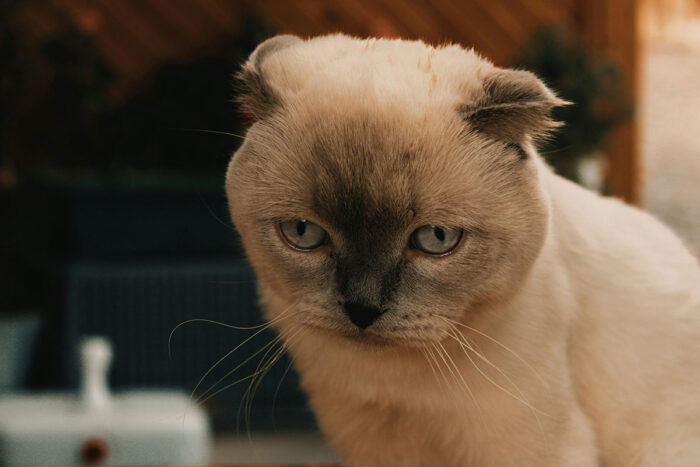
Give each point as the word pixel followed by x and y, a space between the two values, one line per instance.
pixel 94 451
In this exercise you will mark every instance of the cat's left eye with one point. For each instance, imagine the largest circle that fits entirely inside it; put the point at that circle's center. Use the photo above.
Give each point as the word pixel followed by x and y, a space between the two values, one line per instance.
pixel 303 235
pixel 435 240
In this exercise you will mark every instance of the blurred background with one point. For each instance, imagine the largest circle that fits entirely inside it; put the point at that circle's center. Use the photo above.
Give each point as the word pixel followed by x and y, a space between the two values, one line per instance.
pixel 116 125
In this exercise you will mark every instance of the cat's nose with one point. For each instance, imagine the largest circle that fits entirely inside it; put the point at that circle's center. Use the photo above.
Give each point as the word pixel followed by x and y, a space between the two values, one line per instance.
pixel 360 315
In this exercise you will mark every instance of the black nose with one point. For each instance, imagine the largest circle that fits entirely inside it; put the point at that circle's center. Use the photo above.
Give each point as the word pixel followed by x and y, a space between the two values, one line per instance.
pixel 361 315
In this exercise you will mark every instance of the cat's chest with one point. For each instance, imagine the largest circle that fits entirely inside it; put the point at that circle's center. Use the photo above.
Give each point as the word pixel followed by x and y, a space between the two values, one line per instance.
pixel 371 410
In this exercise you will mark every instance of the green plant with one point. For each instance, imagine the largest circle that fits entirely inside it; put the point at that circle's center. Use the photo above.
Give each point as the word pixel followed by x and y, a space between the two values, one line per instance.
pixel 595 88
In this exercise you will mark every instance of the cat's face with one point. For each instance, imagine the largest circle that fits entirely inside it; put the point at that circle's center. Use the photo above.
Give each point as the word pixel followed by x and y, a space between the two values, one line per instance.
pixel 376 219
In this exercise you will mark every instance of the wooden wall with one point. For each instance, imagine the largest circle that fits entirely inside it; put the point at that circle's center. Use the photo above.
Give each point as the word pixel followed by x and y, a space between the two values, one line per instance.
pixel 498 30
pixel 135 35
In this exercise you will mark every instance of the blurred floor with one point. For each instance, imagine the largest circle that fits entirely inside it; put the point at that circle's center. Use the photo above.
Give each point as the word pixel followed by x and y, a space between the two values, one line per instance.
pixel 671 132
pixel 272 448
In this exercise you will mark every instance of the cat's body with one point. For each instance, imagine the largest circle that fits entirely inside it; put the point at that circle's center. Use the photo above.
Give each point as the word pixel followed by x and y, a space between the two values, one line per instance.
pixel 563 330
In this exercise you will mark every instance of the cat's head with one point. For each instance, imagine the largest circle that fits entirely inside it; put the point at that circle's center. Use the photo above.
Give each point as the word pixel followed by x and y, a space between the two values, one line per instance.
pixel 387 186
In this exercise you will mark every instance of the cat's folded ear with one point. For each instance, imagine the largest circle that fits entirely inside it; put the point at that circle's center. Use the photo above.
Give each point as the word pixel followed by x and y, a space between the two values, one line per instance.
pixel 513 106
pixel 257 98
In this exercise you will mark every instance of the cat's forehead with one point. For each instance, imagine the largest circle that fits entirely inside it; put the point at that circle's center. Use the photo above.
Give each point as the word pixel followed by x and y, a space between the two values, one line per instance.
pixel 370 169
pixel 329 66
pixel 361 185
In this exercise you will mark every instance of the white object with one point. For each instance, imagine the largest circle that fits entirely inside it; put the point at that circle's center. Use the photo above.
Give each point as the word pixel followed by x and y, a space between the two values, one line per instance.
pixel 131 428
pixel 95 357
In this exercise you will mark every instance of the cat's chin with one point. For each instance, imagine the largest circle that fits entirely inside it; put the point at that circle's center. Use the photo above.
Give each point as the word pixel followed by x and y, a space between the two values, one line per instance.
pixel 367 339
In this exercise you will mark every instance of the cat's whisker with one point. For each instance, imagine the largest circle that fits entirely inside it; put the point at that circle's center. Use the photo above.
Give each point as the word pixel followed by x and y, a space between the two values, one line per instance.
pixel 432 368
pixel 443 353
pixel 270 363
pixel 439 368
pixel 255 383
pixel 500 344
pixel 222 324
pixel 289 366
pixel 522 400
pixel 230 385
pixel 477 351
pixel 464 383
pixel 267 346
pixel 246 399
pixel 209 321
pixel 466 346
pixel 266 367
pixel 248 339
pixel 441 357
pixel 277 390
pixel 237 367
pixel 452 387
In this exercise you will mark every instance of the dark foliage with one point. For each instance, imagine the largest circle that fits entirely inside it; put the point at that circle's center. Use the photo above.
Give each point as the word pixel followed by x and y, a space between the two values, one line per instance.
pixel 594 86
pixel 68 123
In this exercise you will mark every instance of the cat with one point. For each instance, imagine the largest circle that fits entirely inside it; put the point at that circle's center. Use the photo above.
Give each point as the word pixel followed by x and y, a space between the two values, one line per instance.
pixel 445 297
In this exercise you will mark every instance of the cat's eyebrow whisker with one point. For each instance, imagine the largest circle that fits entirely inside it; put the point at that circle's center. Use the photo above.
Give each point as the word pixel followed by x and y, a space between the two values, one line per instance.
pixel 215 132
pixel 249 281
pixel 500 344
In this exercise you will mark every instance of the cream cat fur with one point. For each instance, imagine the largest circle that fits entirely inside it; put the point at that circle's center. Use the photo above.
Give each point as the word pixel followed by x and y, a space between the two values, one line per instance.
pixel 564 330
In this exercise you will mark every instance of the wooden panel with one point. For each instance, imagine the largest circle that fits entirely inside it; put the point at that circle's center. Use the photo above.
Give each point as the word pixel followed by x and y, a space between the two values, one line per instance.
pixel 135 35
pixel 612 28
pixel 497 29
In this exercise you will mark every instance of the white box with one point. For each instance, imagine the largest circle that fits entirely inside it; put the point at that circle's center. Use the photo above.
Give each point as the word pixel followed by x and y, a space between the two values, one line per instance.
pixel 96 428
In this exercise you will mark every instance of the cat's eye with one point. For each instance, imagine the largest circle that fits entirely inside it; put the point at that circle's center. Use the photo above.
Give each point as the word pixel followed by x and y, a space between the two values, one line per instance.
pixel 303 234
pixel 435 240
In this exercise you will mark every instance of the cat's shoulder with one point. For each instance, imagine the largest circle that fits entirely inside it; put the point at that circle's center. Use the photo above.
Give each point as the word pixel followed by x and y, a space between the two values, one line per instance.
pixel 613 231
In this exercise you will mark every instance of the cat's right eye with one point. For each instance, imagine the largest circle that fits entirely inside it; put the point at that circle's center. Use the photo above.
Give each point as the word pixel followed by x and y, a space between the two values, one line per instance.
pixel 303 235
